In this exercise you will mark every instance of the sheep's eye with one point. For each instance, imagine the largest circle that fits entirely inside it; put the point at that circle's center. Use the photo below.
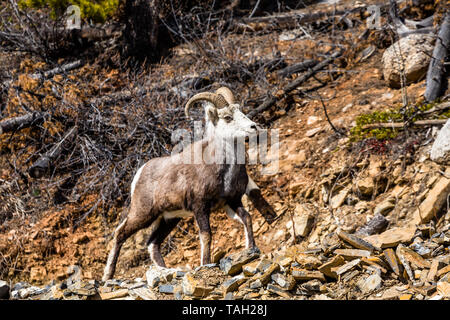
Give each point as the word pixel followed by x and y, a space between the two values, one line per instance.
pixel 228 118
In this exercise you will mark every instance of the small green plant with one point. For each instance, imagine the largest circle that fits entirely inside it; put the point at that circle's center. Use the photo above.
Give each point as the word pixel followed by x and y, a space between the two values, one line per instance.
pixel 359 133
pixel 97 11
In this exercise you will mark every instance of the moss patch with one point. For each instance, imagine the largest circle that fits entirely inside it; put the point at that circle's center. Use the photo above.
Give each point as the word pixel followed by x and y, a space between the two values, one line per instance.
pixel 358 132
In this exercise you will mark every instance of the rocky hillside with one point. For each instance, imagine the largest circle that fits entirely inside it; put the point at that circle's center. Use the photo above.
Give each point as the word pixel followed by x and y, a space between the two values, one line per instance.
pixel 362 193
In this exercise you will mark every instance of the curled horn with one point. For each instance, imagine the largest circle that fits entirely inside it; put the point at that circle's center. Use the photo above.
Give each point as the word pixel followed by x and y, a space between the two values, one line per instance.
pixel 227 94
pixel 216 99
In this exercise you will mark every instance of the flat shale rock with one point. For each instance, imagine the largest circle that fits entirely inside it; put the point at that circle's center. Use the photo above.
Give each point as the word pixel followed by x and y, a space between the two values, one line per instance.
pixel 114 294
pixel 371 283
pixel 302 275
pixel 233 283
pixel 233 264
pixel 443 289
pixel 285 282
pixel 355 241
pixel 157 275
pixel 307 261
pixel 435 200
pixel 193 287
pixel 392 237
pixel 327 267
pixel 352 253
pixel 391 259
pixel 414 258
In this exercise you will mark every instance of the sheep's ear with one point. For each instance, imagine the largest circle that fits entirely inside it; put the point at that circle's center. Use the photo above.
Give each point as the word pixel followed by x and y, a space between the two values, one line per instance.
pixel 212 115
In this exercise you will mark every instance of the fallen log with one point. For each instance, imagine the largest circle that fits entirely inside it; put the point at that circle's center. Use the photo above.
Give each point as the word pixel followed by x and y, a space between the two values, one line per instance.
pixel 22 122
pixel 60 69
pixel 297 67
pixel 42 165
pixel 436 68
pixel 50 73
pixel 399 125
pixel 294 84
pixel 285 20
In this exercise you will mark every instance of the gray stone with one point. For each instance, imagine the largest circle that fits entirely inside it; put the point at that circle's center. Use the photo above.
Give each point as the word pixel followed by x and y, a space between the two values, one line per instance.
pixel 370 283
pixel 311 287
pixel 410 54
pixel 166 288
pixel 25 293
pixel 256 284
pixel 232 264
pixel 233 283
pixel 303 220
pixel 111 283
pixel 156 275
pixel 440 151
pixel 285 282
pixel 193 287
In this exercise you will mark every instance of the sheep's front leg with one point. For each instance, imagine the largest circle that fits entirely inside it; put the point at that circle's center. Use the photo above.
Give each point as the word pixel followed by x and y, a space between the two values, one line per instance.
pixel 202 218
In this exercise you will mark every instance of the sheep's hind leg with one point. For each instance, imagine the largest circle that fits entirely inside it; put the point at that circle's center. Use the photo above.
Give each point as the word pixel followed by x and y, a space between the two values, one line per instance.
pixel 125 229
pixel 237 212
pixel 160 232
pixel 118 240
pixel 202 218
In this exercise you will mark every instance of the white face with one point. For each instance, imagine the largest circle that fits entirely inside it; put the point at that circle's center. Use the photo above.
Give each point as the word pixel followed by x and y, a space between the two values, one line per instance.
pixel 230 122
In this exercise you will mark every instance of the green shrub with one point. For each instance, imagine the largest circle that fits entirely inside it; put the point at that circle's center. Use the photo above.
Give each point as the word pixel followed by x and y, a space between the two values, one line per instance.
pixel 358 132
pixel 97 11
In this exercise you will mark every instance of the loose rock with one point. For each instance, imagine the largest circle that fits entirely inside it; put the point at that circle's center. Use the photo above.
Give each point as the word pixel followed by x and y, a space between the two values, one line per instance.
pixel 370 283
pixel 440 151
pixel 232 264
pixel 410 55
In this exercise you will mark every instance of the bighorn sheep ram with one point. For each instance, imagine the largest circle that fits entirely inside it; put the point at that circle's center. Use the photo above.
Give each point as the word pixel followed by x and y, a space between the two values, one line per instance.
pixel 165 189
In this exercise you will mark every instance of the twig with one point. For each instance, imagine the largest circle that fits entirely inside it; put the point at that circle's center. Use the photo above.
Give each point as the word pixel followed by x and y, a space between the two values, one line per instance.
pixel 397 125
pixel 328 118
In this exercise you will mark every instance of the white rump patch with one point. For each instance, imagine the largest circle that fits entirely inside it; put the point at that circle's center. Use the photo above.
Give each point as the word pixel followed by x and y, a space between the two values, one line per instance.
pixel 136 179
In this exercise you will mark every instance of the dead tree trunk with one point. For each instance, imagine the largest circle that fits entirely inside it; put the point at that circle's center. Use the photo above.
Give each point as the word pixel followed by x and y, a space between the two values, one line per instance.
pixel 436 68
pixel 145 38
pixel 42 165
pixel 22 122
pixel 297 67
pixel 64 68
